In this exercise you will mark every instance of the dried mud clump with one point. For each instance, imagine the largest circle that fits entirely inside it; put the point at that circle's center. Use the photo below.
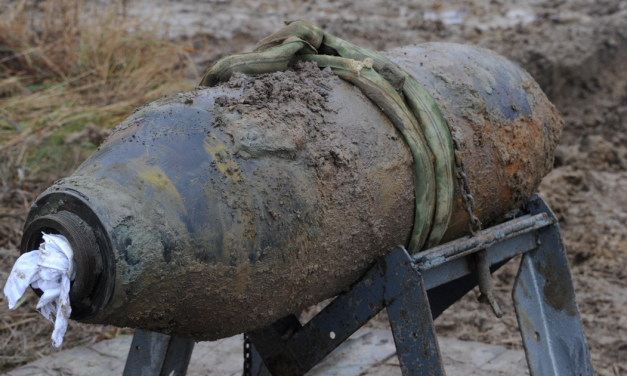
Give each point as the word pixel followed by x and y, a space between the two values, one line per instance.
pixel 305 83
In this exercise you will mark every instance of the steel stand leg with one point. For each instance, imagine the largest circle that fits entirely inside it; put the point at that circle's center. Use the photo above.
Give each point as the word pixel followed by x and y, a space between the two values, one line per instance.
pixel 258 368
pixel 155 354
pixel 414 333
pixel 545 305
pixel 286 348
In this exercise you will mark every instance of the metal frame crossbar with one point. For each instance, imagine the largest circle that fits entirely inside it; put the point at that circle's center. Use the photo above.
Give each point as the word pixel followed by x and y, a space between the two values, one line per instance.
pixel 416 290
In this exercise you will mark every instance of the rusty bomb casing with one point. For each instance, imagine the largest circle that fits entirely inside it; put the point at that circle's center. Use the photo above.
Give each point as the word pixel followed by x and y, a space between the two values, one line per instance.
pixel 210 213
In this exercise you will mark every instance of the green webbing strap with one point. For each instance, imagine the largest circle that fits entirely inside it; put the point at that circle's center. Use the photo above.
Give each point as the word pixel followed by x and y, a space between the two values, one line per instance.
pixel 403 100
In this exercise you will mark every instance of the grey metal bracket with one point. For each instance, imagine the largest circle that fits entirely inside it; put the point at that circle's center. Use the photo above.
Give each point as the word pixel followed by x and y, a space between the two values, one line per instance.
pixel 416 290
pixel 156 354
pixel 544 300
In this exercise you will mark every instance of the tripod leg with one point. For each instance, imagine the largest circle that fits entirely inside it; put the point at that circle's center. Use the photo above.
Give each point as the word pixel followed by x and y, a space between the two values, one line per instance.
pixel 154 354
pixel 547 313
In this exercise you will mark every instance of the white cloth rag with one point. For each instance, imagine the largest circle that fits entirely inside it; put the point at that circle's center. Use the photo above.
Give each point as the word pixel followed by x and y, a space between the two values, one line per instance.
pixel 50 269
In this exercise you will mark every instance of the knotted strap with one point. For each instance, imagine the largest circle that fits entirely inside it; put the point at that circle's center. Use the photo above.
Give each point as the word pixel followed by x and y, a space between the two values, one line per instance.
pixel 404 101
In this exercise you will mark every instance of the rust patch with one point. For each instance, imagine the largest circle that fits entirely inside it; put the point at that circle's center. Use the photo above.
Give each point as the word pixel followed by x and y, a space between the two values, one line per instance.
pixel 557 289
pixel 507 128
pixel 512 168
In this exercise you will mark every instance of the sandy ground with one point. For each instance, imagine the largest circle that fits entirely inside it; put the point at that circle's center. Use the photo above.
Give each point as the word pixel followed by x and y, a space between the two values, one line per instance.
pixel 575 49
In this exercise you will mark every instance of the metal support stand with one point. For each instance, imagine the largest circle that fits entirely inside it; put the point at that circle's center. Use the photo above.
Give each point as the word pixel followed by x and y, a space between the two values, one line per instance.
pixel 416 290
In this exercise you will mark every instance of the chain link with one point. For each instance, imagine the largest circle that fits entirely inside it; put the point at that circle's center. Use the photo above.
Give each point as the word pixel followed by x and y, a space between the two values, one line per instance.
pixel 248 356
pixel 474 224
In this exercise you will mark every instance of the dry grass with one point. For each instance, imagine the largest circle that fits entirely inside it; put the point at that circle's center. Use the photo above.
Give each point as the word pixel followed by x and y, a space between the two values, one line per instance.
pixel 63 67
pixel 68 74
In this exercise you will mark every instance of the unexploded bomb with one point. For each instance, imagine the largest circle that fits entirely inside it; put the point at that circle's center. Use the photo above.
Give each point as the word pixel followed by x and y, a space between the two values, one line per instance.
pixel 218 211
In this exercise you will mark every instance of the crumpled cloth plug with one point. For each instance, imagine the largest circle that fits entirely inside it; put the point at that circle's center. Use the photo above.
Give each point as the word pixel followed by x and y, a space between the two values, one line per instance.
pixel 51 269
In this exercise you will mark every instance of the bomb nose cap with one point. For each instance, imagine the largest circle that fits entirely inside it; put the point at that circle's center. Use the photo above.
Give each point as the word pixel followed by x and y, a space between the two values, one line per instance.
pixel 83 243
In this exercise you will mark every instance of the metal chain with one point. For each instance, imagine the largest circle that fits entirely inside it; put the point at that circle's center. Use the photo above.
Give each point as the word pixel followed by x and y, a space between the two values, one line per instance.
pixel 474 224
pixel 248 356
